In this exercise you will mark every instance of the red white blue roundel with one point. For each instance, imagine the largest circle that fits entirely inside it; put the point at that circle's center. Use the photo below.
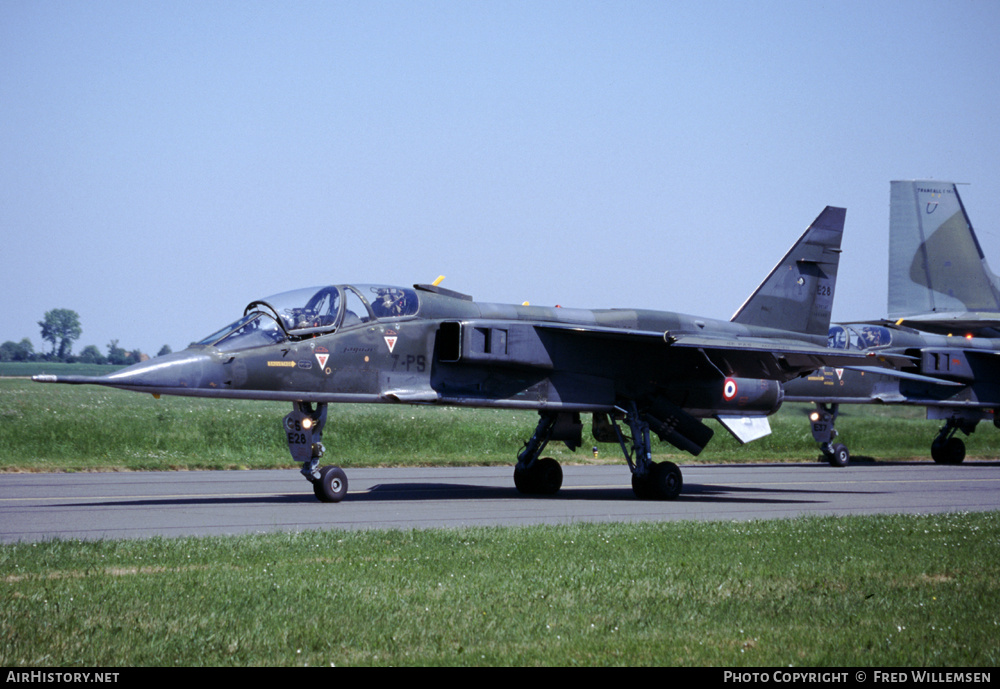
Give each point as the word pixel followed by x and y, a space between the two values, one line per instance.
pixel 729 389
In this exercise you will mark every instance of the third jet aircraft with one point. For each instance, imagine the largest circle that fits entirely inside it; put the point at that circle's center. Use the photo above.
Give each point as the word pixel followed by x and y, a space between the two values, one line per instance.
pixel 943 315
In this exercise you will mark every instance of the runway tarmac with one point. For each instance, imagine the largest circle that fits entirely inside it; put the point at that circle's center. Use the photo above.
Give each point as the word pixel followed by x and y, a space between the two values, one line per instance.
pixel 36 507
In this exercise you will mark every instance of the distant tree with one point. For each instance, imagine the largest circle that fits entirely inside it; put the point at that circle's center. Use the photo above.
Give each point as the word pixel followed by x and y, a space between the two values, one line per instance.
pixel 117 355
pixel 17 351
pixel 61 327
pixel 164 350
pixel 91 355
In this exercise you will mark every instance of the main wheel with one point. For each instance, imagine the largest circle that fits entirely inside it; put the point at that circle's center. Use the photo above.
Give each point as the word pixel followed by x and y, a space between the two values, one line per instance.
pixel 839 457
pixel 332 484
pixel 543 478
pixel 950 451
pixel 667 480
pixel 663 482
pixel 640 487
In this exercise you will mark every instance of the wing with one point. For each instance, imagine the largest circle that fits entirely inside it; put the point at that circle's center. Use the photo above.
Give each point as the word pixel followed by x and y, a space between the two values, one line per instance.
pixel 779 359
pixel 752 357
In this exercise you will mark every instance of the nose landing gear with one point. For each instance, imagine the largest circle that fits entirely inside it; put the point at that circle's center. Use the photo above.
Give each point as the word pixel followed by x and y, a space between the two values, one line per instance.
pixel 823 421
pixel 304 432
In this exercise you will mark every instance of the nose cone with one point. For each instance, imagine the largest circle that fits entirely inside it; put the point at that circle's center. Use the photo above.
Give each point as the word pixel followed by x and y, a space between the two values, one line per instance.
pixel 181 373
pixel 190 369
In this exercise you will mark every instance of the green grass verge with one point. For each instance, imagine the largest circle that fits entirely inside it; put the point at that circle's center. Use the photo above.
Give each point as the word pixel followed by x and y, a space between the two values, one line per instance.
pixel 884 591
pixel 80 428
pixel 26 369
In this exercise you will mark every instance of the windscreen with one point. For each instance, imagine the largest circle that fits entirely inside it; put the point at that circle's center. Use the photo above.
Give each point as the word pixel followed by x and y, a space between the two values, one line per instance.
pixel 858 337
pixel 312 311
pixel 253 330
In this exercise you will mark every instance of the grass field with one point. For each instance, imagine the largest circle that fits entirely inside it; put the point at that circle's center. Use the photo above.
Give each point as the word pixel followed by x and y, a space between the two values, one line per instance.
pixel 81 428
pixel 889 591
pixel 875 591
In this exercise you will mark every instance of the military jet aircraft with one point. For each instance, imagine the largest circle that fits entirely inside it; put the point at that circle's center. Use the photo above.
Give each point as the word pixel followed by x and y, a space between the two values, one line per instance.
pixel 654 371
pixel 943 313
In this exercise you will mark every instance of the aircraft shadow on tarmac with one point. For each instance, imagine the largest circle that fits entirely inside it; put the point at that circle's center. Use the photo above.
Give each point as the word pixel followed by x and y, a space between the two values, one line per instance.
pixel 693 492
pixel 398 492
pixel 859 461
pixel 204 500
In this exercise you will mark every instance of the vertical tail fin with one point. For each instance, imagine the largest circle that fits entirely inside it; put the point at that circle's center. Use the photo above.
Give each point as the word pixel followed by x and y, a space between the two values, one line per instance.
pixel 797 295
pixel 936 265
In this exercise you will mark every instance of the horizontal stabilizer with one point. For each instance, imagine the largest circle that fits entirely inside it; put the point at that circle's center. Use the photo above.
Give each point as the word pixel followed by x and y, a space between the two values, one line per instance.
pixel 746 428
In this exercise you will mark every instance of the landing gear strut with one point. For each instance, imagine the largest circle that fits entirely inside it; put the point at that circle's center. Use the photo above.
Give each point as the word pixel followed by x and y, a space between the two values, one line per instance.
pixel 823 430
pixel 304 432
pixel 650 480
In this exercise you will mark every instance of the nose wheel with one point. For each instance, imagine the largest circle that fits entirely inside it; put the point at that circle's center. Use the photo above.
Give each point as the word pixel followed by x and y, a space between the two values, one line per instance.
pixel 836 454
pixel 331 485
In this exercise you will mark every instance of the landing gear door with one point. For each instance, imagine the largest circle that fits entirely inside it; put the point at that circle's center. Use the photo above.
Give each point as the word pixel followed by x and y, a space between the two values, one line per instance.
pixel 303 431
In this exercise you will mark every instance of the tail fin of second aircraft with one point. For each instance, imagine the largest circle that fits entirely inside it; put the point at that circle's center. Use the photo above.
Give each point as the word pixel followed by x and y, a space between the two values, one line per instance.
pixel 797 295
pixel 936 265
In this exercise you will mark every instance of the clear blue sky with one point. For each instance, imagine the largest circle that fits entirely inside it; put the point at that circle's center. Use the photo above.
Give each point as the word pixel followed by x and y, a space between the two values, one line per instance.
pixel 164 163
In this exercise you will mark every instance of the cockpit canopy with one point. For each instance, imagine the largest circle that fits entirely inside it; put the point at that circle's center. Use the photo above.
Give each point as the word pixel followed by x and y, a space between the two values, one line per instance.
pixel 858 336
pixel 313 311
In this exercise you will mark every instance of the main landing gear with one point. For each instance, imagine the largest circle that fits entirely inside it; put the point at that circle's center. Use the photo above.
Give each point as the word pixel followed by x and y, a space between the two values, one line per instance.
pixel 824 432
pixel 534 475
pixel 304 431
pixel 650 480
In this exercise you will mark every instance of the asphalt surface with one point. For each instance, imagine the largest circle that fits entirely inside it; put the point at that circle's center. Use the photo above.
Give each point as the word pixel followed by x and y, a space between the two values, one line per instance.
pixel 37 507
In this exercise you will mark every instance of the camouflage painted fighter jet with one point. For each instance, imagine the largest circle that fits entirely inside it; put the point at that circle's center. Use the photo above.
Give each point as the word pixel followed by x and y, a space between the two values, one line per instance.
pixel 943 313
pixel 649 370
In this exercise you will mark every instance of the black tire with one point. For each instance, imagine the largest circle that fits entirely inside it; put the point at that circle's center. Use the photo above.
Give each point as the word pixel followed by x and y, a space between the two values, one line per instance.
pixel 522 480
pixel 549 475
pixel 543 478
pixel 663 482
pixel 839 457
pixel 640 487
pixel 667 481
pixel 951 451
pixel 332 484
